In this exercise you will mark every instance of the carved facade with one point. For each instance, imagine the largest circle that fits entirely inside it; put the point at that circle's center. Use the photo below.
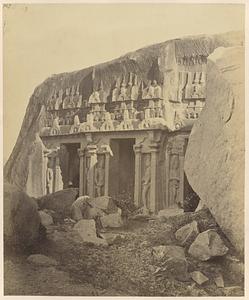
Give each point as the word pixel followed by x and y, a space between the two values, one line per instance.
pixel 129 139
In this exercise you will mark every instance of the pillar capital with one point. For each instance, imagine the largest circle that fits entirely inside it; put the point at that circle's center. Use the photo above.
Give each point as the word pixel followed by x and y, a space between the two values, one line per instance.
pixel 92 149
pixel 137 148
pixel 154 147
pixel 81 152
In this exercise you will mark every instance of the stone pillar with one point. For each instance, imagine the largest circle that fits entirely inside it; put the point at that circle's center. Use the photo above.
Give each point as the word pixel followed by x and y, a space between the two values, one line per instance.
pixel 181 183
pixel 107 164
pixel 137 187
pixel 44 171
pixel 92 151
pixel 154 149
pixel 167 158
pixel 81 153
pixel 58 184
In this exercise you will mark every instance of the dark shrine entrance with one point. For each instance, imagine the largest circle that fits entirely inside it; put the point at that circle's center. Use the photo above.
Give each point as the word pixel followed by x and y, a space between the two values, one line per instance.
pixel 122 167
pixel 69 164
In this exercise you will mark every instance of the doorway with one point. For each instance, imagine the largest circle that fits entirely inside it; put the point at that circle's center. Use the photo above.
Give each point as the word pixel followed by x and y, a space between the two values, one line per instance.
pixel 122 168
pixel 69 164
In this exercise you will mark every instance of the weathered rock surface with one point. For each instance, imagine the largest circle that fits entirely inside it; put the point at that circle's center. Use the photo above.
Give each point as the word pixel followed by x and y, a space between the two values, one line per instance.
pixel 21 218
pixel 46 219
pixel 172 261
pixel 143 62
pixel 87 232
pixel 208 244
pixel 42 260
pixel 214 165
pixel 187 234
pixel 60 202
pixel 112 220
pixel 104 203
pixel 199 277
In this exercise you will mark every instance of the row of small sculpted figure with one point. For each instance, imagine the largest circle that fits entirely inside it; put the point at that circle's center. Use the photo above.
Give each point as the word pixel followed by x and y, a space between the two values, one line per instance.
pixel 192 87
pixel 191 60
pixel 72 99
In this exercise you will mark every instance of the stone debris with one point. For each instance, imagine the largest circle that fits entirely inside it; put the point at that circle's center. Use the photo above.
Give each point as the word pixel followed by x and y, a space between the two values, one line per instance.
pixel 219 281
pixel 112 238
pixel 112 220
pixel 172 262
pixel 187 234
pixel 233 291
pixel 199 277
pixel 208 244
pixel 169 212
pixel 87 232
pixel 46 219
pixel 42 260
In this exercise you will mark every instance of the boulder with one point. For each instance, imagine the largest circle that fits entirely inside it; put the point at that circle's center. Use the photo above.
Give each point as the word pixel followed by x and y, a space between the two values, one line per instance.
pixel 214 165
pixel 199 277
pixel 60 202
pixel 164 214
pixel 187 234
pixel 219 281
pixel 87 232
pixel 42 260
pixel 172 261
pixel 104 203
pixel 112 220
pixel 113 238
pixel 46 219
pixel 22 223
pixel 208 244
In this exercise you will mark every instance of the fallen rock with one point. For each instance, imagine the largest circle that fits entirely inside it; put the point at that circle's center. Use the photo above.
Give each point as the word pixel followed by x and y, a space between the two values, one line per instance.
pixel 235 268
pixel 219 281
pixel 104 203
pixel 208 244
pixel 22 223
pixel 112 238
pixel 199 277
pixel 172 262
pixel 87 231
pixel 233 291
pixel 187 234
pixel 164 214
pixel 46 219
pixel 217 176
pixel 60 202
pixel 42 260
pixel 112 220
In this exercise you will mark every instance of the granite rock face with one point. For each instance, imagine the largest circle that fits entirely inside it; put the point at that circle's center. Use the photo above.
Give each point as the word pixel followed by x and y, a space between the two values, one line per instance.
pixel 214 162
pixel 21 218
pixel 147 62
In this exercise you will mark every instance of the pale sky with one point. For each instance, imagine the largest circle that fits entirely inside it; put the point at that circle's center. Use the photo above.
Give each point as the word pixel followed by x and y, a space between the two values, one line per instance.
pixel 41 40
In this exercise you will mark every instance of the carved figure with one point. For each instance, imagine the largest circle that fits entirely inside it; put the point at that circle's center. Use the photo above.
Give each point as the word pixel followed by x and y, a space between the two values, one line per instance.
pixel 49 179
pixel 174 179
pixel 148 92
pixel 123 91
pixel 115 92
pixel 129 88
pixel 134 89
pixel 94 98
pixel 55 126
pixel 99 177
pixel 146 181
pixel 66 100
pixel 108 123
pixel 157 90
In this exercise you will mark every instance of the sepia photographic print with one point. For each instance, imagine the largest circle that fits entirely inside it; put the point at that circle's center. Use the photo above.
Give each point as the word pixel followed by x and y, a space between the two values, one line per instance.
pixel 123 149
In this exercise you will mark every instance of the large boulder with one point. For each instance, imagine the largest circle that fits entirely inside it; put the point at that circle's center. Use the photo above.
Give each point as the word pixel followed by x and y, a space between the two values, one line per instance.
pixel 171 261
pixel 208 244
pixel 186 234
pixel 22 222
pixel 215 158
pixel 87 232
pixel 60 202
